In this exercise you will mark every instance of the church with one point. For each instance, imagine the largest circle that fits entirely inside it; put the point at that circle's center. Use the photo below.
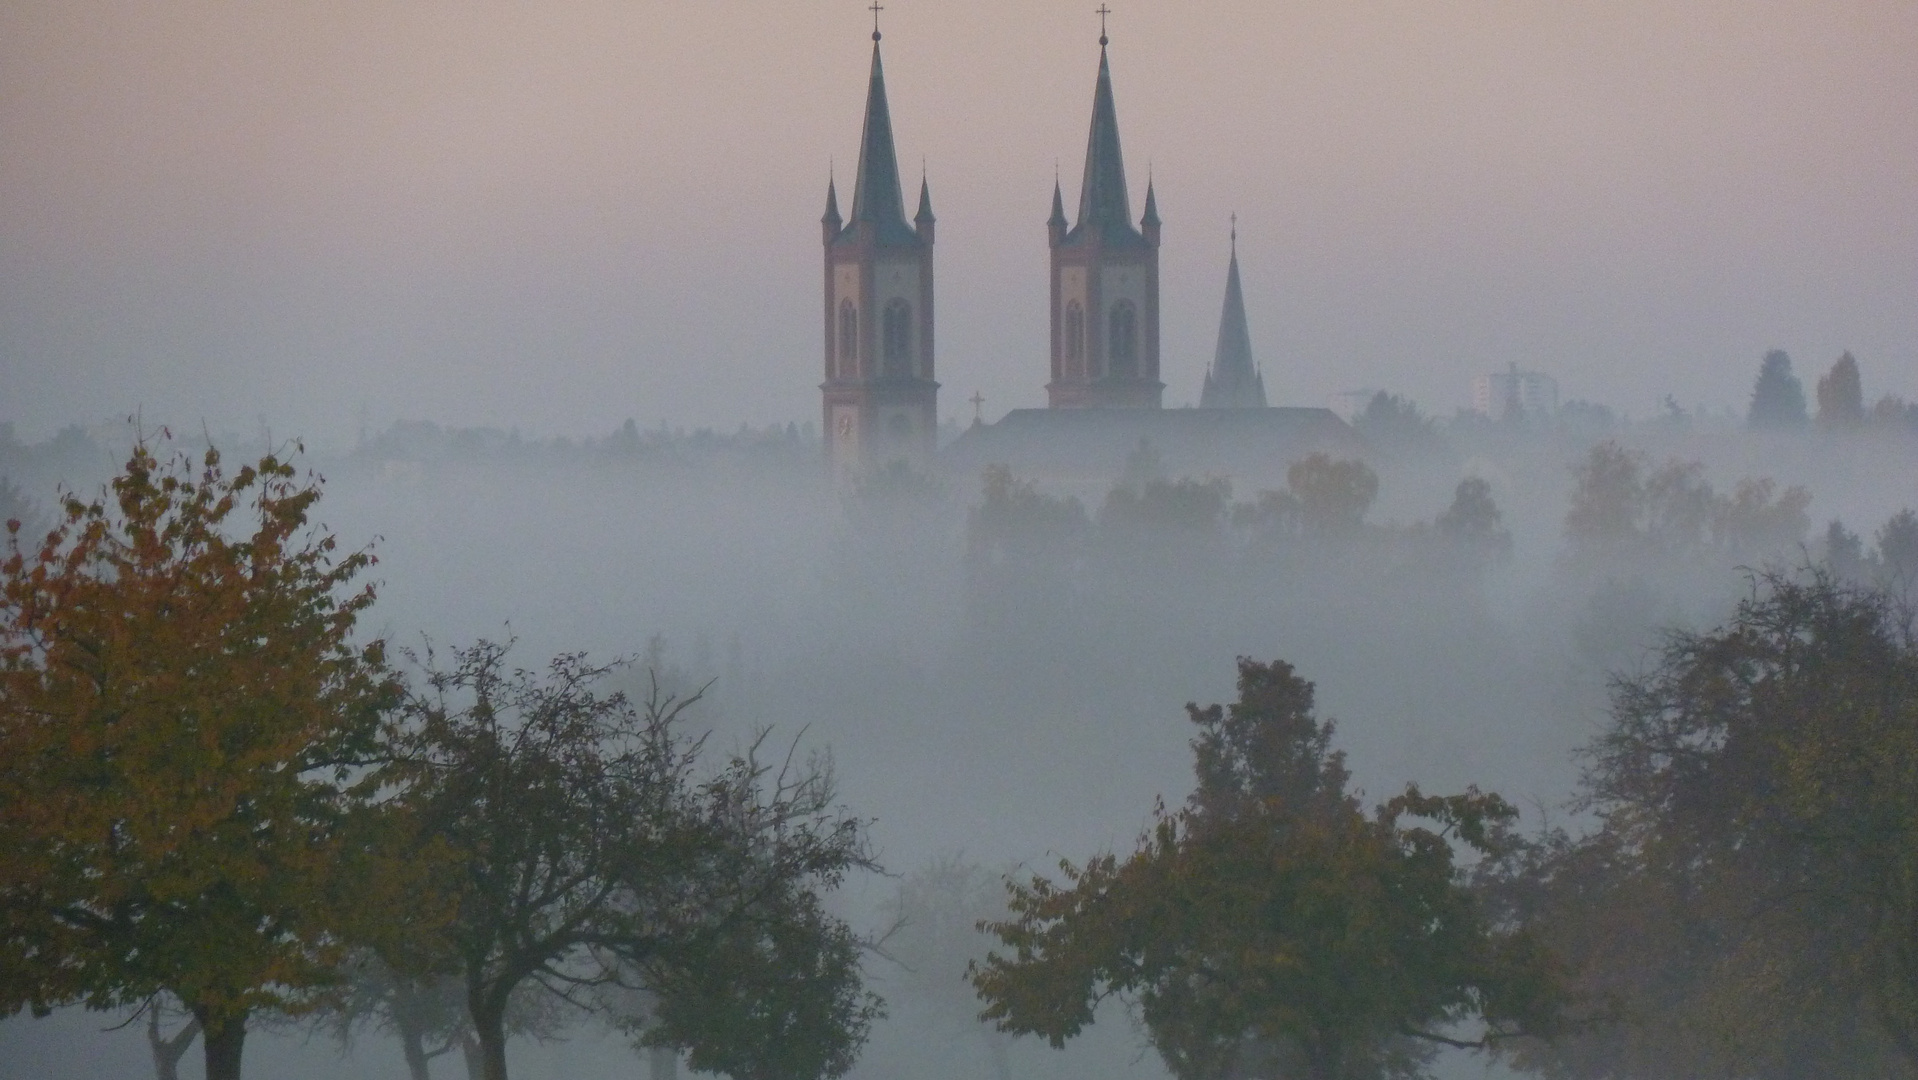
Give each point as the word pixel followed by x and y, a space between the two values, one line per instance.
pixel 1104 394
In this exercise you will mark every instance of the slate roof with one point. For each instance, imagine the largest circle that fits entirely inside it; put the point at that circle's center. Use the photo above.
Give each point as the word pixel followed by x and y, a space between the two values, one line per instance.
pixel 1105 210
pixel 1233 381
pixel 877 198
pixel 1090 446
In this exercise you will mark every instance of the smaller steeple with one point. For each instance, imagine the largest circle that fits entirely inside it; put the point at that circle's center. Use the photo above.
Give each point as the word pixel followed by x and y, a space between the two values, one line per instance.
pixel 830 223
pixel 924 220
pixel 1057 223
pixel 1149 224
pixel 1233 382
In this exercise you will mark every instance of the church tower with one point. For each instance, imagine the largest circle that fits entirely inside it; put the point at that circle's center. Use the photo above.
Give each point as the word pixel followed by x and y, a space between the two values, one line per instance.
pixel 880 400
pixel 1105 279
pixel 1233 382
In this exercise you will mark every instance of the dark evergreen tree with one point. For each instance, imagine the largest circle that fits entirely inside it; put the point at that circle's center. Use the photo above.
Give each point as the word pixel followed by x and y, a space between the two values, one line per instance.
pixel 1841 396
pixel 1778 398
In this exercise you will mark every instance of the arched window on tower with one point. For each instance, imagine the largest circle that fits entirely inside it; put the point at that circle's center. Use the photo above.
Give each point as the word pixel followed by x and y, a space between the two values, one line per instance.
pixel 1122 340
pixel 1075 338
pixel 897 347
pixel 848 340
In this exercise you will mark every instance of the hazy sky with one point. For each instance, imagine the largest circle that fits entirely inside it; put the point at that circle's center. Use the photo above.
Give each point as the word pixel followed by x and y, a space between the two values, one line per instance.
pixel 556 216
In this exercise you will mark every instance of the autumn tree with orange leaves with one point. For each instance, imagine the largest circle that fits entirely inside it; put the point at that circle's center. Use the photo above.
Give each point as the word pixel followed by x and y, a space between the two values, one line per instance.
pixel 185 719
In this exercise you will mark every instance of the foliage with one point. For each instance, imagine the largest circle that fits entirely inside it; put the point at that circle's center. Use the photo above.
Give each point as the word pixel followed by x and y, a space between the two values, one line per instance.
pixel 1016 523
pixel 1472 526
pixel 585 853
pixel 1324 499
pixel 182 710
pixel 1622 509
pixel 1167 508
pixel 1841 396
pixel 1396 424
pixel 1778 398
pixel 1272 928
pixel 1751 898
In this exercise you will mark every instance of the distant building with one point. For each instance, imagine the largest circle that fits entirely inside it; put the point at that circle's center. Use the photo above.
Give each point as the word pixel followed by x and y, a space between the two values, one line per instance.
pixel 1104 393
pixel 1513 394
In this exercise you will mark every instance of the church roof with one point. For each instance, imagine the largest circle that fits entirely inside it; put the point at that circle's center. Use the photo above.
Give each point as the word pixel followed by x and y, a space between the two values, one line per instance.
pixel 1233 381
pixel 877 199
pixel 1104 208
pixel 1250 446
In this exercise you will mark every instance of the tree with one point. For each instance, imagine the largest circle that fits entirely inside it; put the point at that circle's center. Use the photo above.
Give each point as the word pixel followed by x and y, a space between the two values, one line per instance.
pixel 1333 496
pixel 585 853
pixel 1841 396
pixel 1751 897
pixel 183 710
pixel 1623 509
pixel 1472 526
pixel 1396 424
pixel 1272 928
pixel 1016 525
pixel 1778 398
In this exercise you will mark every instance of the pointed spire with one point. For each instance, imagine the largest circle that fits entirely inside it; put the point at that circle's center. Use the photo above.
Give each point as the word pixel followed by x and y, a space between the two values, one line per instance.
pixel 1058 217
pixel 1151 217
pixel 876 195
pixel 924 216
pixel 1233 381
pixel 832 217
pixel 1103 203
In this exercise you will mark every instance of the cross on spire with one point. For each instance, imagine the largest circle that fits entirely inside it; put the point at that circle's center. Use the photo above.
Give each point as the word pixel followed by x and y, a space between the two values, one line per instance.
pixel 978 407
pixel 1103 12
pixel 875 9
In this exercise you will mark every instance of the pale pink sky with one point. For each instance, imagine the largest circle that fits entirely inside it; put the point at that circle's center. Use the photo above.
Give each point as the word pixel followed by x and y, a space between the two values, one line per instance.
pixel 557 216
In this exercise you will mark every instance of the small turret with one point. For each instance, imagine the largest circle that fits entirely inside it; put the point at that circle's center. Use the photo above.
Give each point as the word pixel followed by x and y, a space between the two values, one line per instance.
pixel 1057 224
pixel 831 223
pixel 924 220
pixel 1149 224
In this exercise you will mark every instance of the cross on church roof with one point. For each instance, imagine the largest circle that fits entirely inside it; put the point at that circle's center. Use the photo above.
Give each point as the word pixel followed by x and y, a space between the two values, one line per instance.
pixel 875 9
pixel 1103 12
pixel 978 407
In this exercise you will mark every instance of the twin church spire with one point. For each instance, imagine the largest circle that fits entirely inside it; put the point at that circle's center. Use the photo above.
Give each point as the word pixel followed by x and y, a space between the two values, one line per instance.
pixel 879 391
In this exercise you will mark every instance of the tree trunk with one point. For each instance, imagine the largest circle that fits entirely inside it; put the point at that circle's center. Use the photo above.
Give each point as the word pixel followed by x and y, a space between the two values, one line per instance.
pixel 470 1051
pixel 404 1005
pixel 413 1045
pixel 224 1038
pixel 167 1051
pixel 489 1024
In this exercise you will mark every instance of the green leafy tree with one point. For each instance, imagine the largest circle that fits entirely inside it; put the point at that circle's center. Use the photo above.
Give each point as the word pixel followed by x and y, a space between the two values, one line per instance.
pixel 1272 928
pixel 1751 899
pixel 587 854
pixel 183 713
pixel 1778 398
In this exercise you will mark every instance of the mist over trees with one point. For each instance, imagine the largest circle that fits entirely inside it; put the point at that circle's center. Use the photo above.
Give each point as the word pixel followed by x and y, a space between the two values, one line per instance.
pixel 1672 646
